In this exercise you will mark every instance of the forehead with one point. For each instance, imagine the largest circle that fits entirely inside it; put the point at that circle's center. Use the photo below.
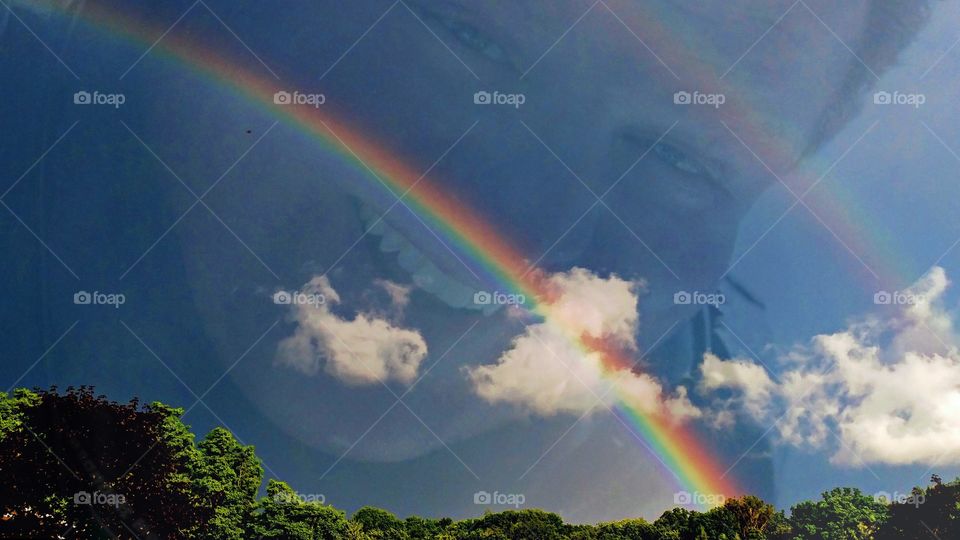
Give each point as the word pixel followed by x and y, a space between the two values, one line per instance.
pixel 781 63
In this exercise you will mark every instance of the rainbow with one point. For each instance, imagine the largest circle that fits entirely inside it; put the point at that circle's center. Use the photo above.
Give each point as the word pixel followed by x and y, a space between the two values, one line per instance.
pixel 834 205
pixel 674 446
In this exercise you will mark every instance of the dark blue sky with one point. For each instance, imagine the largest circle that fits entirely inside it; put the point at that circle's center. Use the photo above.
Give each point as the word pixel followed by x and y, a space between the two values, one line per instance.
pixel 104 198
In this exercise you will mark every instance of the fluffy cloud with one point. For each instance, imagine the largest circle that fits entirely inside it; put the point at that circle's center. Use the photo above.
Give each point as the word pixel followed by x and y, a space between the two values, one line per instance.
pixel 882 391
pixel 546 372
pixel 362 350
pixel 751 379
pixel 399 294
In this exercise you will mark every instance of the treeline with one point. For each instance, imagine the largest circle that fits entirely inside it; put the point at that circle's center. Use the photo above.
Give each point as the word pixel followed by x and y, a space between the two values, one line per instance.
pixel 76 465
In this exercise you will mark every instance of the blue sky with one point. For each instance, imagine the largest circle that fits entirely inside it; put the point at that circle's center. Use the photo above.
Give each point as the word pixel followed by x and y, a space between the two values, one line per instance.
pixel 104 198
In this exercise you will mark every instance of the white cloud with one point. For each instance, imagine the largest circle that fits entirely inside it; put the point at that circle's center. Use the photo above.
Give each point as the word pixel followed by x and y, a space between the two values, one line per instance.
pixel 887 389
pixel 399 294
pixel 597 307
pixel 360 351
pixel 547 371
pixel 750 378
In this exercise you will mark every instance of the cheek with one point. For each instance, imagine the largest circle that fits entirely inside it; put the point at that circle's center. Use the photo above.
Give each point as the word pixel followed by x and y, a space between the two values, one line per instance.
pixel 694 240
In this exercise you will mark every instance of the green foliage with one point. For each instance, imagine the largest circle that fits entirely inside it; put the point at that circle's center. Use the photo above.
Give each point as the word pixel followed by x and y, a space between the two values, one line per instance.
pixel 11 409
pixel 54 446
pixel 378 523
pixel 419 528
pixel 683 524
pixel 751 517
pixel 227 477
pixel 841 514
pixel 284 515
pixel 632 529
pixel 511 525
pixel 742 518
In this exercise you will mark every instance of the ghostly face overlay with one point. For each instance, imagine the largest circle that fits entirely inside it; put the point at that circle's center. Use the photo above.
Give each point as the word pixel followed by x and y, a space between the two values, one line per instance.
pixel 596 98
pixel 686 85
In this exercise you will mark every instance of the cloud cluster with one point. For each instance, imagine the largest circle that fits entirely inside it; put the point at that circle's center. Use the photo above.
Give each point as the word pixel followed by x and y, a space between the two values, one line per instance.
pixel 359 351
pixel 547 370
pixel 885 390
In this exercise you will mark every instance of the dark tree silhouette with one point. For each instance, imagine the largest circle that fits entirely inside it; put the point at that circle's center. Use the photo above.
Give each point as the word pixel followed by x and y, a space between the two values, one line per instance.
pixel 76 464
pixel 931 513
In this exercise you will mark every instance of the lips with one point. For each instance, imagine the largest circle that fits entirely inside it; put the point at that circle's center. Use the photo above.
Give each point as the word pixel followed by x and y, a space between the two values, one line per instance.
pixel 423 271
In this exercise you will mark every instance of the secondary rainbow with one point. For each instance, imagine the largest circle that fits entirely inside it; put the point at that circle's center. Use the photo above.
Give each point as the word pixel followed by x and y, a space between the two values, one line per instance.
pixel 675 447
pixel 832 204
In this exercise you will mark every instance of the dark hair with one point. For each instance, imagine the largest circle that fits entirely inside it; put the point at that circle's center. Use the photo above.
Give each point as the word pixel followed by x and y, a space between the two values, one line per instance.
pixel 890 26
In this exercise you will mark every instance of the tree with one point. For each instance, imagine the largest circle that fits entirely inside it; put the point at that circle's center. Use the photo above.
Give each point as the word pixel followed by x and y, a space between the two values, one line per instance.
pixel 511 525
pixel 841 514
pixel 632 529
pixel 752 517
pixel 931 513
pixel 79 464
pixel 379 523
pixel 680 524
pixel 285 515
pixel 228 477
pixel 419 528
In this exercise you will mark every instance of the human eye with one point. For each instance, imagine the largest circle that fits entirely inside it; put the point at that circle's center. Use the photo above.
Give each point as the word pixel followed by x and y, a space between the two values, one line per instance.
pixel 694 182
pixel 466 34
pixel 678 159
pixel 473 38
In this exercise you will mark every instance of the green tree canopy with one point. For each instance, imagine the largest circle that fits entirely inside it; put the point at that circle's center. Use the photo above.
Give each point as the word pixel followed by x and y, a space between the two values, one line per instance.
pixel 285 515
pixel 78 465
pixel 840 514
